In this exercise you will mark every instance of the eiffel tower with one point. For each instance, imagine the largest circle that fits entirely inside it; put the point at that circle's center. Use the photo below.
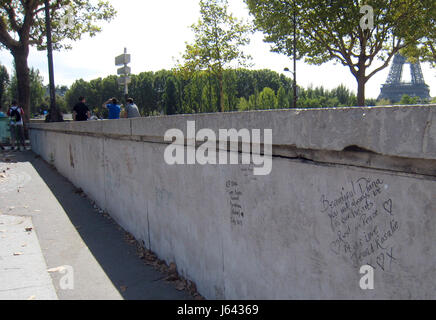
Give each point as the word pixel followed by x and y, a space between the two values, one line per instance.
pixel 394 88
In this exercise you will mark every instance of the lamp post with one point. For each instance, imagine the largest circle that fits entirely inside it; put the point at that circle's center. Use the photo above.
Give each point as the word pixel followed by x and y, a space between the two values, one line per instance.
pixel 295 89
pixel 294 14
pixel 54 115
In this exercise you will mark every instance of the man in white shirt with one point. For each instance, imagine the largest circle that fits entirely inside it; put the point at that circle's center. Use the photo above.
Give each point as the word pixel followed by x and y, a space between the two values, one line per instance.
pixel 16 115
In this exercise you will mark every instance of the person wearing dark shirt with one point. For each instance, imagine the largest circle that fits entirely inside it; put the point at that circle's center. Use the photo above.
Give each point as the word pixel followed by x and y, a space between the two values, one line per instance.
pixel 81 111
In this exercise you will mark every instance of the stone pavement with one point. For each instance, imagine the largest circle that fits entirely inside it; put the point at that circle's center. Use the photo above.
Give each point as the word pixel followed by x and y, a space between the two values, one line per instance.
pixel 23 272
pixel 54 245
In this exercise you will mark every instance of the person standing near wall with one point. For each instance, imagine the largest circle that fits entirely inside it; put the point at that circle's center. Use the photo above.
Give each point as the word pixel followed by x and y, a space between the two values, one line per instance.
pixel 113 107
pixel 16 115
pixel 81 111
pixel 131 110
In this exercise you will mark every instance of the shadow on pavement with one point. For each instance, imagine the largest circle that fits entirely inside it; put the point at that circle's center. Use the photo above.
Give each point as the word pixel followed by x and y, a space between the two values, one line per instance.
pixel 105 239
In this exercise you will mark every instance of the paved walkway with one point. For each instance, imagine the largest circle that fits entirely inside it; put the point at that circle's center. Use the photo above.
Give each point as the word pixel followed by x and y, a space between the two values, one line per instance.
pixel 53 244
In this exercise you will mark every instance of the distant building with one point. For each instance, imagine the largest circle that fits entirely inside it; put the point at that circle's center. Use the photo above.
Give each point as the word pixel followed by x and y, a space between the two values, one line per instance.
pixel 394 88
pixel 60 91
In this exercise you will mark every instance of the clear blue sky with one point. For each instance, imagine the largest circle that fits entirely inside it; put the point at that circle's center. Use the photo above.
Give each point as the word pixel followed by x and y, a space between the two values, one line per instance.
pixel 155 33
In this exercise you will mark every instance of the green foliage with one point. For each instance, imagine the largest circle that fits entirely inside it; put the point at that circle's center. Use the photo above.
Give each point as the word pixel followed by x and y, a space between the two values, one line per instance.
pixel 23 24
pixel 170 97
pixel 253 101
pixel 384 102
pixel 243 104
pixel 37 90
pixel 332 31
pixel 219 37
pixel 282 99
pixel 425 48
pixel 407 100
pixel 267 99
pixel 321 98
pixel 4 83
pixel 230 91
pixel 61 104
pixel 371 102
pixel 71 19
pixel 167 92
pixel 96 92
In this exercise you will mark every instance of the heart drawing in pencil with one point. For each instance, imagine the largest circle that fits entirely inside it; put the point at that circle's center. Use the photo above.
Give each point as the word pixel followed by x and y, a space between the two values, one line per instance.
pixel 388 206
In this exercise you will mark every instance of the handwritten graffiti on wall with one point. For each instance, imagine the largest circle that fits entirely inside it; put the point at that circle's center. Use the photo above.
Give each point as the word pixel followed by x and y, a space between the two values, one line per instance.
pixel 362 217
pixel 236 211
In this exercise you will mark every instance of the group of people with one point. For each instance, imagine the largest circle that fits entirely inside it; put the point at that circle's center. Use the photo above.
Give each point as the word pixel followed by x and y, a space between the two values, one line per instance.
pixel 16 115
pixel 81 111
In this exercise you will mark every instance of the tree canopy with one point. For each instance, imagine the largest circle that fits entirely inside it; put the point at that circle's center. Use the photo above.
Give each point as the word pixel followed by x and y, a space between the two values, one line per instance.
pixel 22 24
pixel 219 37
pixel 166 92
pixel 338 30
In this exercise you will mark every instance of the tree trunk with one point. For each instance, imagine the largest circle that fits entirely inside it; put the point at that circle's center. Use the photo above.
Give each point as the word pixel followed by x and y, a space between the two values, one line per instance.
pixel 23 80
pixel 361 82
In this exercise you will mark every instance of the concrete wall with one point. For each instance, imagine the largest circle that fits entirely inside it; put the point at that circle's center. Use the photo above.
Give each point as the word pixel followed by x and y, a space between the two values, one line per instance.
pixel 348 187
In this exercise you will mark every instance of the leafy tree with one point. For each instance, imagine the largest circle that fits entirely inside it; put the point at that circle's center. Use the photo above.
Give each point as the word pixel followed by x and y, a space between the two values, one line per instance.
pixel 170 97
pixel 4 83
pixel 142 90
pixel 22 24
pixel 61 90
pixel 267 99
pixel 78 88
pixel 243 104
pixel 282 99
pixel 218 38
pixel 370 102
pixel 266 78
pixel 37 89
pixel 425 49
pixel 334 30
pixel 197 93
pixel 408 100
pixel 61 105
pixel 345 98
pixel 384 102
pixel 244 82
pixel 230 91
pixel 253 101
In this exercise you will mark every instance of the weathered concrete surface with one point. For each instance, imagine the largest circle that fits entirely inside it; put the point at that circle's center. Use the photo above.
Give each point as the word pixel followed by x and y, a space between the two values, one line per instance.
pixel 23 273
pixel 71 234
pixel 408 131
pixel 303 231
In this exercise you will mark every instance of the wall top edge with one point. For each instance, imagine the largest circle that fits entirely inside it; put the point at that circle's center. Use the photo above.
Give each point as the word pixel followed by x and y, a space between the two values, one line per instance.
pixel 405 131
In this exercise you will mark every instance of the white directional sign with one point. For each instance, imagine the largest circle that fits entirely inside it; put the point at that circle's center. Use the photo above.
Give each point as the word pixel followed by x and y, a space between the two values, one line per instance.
pixel 122 60
pixel 124 80
pixel 124 70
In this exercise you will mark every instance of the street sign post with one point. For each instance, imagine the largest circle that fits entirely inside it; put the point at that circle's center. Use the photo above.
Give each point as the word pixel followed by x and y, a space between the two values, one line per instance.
pixel 124 72
pixel 124 80
pixel 122 59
